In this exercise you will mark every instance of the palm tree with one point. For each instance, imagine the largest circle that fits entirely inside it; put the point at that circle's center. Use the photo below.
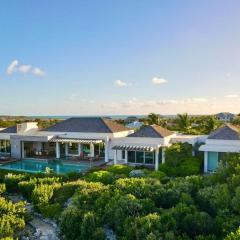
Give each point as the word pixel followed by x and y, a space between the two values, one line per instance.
pixel 153 118
pixel 184 122
pixel 210 124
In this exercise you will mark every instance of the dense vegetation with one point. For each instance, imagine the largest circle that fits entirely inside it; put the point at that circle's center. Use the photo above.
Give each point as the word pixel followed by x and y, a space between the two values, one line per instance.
pixel 12 216
pixel 13 121
pixel 151 206
pixel 186 124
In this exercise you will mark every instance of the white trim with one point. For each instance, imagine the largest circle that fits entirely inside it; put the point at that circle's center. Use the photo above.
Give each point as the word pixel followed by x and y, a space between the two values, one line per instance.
pixel 205 162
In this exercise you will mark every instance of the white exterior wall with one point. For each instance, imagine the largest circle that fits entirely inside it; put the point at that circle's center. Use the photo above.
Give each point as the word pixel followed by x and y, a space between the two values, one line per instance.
pixel 24 127
pixel 223 142
pixel 16 148
pixel 215 145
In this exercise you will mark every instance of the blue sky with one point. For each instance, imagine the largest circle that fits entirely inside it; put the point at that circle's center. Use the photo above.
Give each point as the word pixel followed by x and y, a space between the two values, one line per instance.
pixel 119 57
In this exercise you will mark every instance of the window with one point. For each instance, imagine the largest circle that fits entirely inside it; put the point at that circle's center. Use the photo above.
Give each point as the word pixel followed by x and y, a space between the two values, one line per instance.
pixel 99 149
pixel 123 154
pixel 149 157
pixel 73 148
pixel 86 149
pixel 139 157
pixel 131 156
pixel 212 161
pixel 5 146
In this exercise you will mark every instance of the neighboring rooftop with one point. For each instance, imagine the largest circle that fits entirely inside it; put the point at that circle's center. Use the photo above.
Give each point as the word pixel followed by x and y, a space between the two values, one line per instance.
pixel 225 116
pixel 12 129
pixel 87 124
pixel 152 131
pixel 226 132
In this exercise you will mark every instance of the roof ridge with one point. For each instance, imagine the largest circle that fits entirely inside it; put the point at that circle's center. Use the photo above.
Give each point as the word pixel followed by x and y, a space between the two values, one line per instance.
pixel 232 127
pixel 153 127
pixel 104 121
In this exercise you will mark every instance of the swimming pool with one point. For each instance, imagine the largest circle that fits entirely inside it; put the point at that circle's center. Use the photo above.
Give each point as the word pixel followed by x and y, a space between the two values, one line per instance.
pixel 36 166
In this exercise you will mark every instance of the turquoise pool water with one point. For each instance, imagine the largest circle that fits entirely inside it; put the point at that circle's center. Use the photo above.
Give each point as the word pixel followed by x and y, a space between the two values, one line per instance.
pixel 32 165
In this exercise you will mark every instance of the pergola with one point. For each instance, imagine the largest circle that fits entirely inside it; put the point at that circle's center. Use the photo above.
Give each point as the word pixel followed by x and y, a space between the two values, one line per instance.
pixel 139 147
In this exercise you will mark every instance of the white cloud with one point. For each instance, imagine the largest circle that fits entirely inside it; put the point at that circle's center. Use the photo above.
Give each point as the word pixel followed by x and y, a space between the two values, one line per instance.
pixel 38 72
pixel 23 68
pixel 12 67
pixel 158 81
pixel 120 83
pixel 232 96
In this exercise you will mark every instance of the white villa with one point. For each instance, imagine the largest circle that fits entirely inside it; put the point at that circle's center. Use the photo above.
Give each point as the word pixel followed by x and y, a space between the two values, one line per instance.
pixel 224 140
pixel 100 139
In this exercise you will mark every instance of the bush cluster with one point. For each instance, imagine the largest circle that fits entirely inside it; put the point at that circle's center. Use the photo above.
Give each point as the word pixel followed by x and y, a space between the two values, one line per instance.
pixel 180 162
pixel 12 216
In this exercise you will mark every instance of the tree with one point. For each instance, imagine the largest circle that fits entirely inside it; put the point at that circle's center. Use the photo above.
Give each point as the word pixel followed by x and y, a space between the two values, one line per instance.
pixel 211 124
pixel 153 118
pixel 184 122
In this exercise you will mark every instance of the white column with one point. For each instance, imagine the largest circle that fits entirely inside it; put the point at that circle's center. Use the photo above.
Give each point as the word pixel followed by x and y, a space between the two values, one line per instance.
pixel 126 156
pixel 163 155
pixel 91 150
pixel 115 157
pixel 106 150
pixel 23 153
pixel 66 149
pixel 79 149
pixel 57 150
pixel 193 153
pixel 156 159
pixel 205 162
pixel 5 146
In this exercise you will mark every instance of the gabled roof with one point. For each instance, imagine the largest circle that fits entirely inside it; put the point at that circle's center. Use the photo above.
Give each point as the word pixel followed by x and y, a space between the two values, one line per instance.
pixel 225 114
pixel 152 131
pixel 12 129
pixel 226 132
pixel 87 124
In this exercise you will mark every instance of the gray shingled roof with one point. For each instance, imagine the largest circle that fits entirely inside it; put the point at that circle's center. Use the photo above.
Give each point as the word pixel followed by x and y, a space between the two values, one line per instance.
pixel 12 129
pixel 152 131
pixel 226 132
pixel 87 124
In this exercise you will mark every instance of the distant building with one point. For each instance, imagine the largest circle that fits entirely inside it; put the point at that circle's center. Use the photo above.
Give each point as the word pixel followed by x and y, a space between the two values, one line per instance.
pixel 225 116
pixel 130 119
pixel 134 125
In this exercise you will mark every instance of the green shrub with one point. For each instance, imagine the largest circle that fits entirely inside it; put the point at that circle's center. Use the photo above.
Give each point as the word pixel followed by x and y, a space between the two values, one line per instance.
pixel 42 194
pixel 51 210
pixel 11 218
pixel 120 169
pixel 2 188
pixel 101 176
pixel 87 195
pixel 233 235
pixel 12 180
pixel 89 226
pixel 190 166
pixel 70 223
pixel 168 170
pixel 157 175
pixel 119 208
pixel 26 187
pixel 139 187
pixel 142 228
pixel 66 191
